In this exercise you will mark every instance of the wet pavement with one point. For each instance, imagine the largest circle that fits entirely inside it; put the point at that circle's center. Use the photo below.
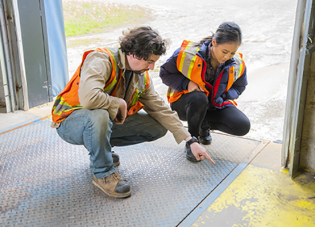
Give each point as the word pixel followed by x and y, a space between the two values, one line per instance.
pixel 267 28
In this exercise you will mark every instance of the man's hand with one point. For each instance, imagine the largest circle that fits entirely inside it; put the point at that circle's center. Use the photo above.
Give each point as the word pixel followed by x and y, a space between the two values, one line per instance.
pixel 122 112
pixel 198 151
pixel 192 86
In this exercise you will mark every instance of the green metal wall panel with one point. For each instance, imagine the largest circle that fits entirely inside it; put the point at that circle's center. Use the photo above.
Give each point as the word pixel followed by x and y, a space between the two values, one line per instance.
pixel 35 49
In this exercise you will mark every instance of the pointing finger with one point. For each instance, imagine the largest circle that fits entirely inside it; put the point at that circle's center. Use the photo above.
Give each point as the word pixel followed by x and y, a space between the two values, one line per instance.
pixel 209 158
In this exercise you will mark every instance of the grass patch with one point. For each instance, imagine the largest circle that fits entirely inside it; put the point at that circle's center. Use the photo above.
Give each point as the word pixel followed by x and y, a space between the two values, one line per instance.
pixel 80 42
pixel 85 17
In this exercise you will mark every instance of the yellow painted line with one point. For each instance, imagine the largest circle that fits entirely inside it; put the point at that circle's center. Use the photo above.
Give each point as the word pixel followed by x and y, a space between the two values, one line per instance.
pixel 285 170
pixel 263 197
pixel 222 186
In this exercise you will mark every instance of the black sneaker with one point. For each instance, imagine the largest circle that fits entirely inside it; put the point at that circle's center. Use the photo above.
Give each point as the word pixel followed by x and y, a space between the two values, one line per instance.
pixel 205 137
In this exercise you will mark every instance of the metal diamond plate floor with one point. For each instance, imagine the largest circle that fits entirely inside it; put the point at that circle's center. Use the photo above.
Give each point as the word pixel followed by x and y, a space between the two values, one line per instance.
pixel 47 182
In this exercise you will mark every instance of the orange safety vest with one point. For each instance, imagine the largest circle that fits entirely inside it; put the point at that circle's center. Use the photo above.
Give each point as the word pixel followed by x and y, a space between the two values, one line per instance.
pixel 194 68
pixel 68 100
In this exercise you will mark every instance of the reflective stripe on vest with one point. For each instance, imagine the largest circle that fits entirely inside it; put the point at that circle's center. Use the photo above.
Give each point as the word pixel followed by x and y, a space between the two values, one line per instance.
pixel 113 79
pixel 191 66
pixel 232 101
pixel 133 104
pixel 186 64
pixel 68 100
pixel 236 71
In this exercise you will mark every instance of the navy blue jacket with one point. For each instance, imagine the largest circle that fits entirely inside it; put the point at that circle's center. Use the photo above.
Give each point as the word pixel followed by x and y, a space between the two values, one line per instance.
pixel 176 80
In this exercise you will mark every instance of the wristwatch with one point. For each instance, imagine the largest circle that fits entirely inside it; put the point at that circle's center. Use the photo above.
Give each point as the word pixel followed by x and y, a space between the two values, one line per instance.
pixel 192 140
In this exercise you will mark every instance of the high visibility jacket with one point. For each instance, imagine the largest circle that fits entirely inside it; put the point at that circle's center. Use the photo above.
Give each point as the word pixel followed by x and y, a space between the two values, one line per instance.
pixel 192 65
pixel 68 100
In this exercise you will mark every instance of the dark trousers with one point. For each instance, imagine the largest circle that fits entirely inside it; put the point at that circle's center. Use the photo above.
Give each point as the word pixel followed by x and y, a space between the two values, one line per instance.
pixel 193 108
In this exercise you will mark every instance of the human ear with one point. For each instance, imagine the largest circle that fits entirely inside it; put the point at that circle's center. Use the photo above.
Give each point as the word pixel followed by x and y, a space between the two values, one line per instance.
pixel 214 42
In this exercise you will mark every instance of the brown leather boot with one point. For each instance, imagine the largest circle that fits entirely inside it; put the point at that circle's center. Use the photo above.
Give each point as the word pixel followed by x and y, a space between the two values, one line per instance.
pixel 113 185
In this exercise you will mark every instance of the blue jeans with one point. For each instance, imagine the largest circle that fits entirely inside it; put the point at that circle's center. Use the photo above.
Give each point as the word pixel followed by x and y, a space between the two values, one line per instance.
pixel 95 130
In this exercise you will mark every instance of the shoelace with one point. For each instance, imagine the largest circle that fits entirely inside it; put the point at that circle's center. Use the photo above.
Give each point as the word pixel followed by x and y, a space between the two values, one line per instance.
pixel 117 176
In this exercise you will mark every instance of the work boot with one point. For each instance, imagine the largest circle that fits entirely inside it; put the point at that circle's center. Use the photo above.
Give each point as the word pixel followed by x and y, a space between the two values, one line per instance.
pixel 205 136
pixel 189 155
pixel 113 185
pixel 115 159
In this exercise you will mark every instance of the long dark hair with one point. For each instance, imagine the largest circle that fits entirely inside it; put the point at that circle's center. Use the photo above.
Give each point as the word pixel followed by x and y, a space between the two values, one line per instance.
pixel 227 32
pixel 142 42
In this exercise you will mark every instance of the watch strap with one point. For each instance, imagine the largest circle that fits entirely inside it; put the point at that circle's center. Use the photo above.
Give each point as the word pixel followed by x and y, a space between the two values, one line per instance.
pixel 192 140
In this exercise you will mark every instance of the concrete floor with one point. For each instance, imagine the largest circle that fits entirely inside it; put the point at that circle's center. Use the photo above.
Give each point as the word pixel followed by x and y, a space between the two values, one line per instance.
pixel 9 121
pixel 263 194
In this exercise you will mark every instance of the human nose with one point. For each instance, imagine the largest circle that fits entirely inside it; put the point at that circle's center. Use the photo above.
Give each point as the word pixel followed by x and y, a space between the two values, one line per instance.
pixel 151 66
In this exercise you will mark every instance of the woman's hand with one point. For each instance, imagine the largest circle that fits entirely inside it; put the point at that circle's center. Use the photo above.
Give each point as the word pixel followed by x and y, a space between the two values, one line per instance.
pixel 192 86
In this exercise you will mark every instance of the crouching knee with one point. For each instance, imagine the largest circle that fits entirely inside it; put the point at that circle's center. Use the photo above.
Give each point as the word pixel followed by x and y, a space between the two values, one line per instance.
pixel 199 101
pixel 100 120
pixel 243 128
pixel 157 132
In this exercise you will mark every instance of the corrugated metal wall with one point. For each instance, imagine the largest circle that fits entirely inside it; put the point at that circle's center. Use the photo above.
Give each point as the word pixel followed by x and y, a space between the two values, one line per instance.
pixel 307 159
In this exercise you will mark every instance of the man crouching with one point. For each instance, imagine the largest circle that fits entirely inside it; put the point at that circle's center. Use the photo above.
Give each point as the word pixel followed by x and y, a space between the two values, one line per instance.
pixel 99 106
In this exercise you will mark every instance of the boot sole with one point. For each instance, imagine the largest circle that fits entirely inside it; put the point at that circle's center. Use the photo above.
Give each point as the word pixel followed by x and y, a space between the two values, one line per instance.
pixel 116 195
pixel 192 159
pixel 205 142
pixel 116 164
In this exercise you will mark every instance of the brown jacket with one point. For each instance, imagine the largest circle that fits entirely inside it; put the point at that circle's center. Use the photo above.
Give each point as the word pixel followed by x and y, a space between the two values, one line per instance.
pixel 96 70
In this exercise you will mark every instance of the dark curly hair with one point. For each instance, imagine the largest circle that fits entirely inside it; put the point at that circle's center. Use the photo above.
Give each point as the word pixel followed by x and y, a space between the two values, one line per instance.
pixel 227 32
pixel 142 42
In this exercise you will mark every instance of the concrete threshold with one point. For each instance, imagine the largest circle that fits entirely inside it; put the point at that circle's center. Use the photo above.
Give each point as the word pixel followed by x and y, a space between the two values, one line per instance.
pixel 9 121
pixel 263 194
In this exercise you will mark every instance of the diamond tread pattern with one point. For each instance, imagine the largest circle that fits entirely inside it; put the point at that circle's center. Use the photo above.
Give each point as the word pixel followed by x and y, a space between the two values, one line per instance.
pixel 45 181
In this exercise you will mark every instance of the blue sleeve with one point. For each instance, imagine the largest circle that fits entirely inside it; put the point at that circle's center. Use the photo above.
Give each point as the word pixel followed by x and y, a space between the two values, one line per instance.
pixel 237 88
pixel 171 76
